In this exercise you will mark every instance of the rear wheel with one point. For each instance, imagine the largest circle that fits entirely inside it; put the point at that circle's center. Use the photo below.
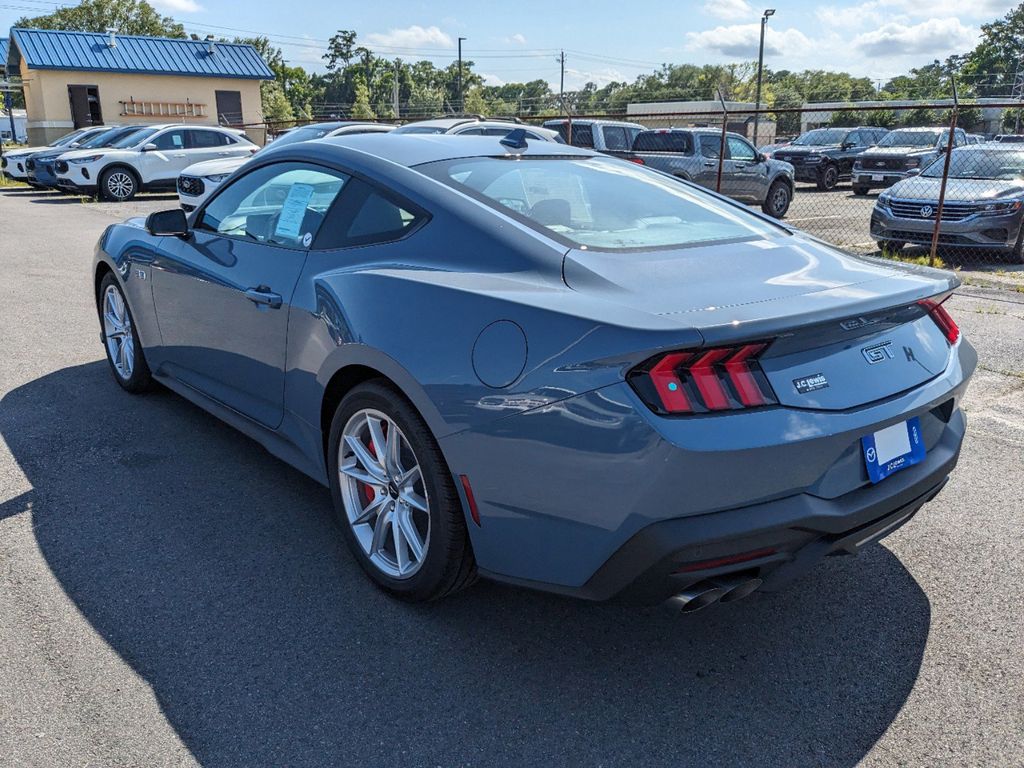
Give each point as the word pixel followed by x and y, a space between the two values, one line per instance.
pixel 828 178
pixel 395 498
pixel 860 190
pixel 118 184
pixel 124 350
pixel 777 202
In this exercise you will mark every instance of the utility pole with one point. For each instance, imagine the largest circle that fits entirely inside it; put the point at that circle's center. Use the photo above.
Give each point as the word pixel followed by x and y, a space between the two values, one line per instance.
pixel 561 81
pixel 561 98
pixel 395 91
pixel 760 68
pixel 462 101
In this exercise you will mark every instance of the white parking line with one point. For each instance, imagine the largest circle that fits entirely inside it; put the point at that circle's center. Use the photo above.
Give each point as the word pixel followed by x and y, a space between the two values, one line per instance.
pixel 818 218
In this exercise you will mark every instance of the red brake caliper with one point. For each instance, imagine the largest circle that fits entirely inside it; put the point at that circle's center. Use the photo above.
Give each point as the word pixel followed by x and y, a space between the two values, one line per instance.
pixel 367 488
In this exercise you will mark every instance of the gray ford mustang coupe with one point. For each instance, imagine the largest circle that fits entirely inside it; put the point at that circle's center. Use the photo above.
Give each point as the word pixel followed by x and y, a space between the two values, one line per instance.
pixel 546 366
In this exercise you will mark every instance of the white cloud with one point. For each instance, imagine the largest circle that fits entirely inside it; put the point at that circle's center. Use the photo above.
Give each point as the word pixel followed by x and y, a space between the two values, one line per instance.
pixel 410 37
pixel 177 6
pixel 491 79
pixel 741 41
pixel 877 12
pixel 729 9
pixel 935 37
pixel 577 78
pixel 518 38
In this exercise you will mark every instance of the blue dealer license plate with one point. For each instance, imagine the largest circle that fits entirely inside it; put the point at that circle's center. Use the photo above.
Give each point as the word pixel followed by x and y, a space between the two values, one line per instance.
pixel 894 448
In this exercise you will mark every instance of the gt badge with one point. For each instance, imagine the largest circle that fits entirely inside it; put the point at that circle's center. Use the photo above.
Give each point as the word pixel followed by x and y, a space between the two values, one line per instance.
pixel 878 353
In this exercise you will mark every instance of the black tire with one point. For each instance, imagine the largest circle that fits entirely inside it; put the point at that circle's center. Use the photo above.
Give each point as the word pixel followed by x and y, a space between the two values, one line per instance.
pixel 448 565
pixel 890 246
pixel 139 379
pixel 1016 256
pixel 860 190
pixel 118 184
pixel 780 195
pixel 828 178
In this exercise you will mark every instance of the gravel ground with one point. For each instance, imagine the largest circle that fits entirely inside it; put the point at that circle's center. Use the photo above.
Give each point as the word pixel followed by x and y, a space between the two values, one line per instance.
pixel 170 595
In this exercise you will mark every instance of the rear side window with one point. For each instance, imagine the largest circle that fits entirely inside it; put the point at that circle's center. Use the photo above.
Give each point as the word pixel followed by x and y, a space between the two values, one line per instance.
pixel 710 146
pixel 365 215
pixel 615 137
pixel 582 134
pixel 206 139
pixel 664 141
pixel 283 204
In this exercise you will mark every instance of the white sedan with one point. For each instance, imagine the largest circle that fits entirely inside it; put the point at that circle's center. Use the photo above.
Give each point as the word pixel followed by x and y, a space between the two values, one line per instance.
pixel 199 181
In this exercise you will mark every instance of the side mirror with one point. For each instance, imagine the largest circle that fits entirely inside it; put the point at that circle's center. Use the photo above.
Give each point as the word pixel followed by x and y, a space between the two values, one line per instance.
pixel 172 222
pixel 150 147
pixel 913 172
pixel 763 157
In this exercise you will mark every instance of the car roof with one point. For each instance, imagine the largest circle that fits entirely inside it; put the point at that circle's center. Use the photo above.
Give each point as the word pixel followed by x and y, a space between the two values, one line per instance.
pixel 410 149
pixel 588 121
pixel 921 128
pixel 443 122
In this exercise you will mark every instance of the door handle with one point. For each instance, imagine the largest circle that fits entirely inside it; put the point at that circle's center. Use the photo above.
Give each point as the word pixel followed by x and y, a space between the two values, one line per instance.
pixel 226 154
pixel 265 296
pixel 178 154
pixel 710 164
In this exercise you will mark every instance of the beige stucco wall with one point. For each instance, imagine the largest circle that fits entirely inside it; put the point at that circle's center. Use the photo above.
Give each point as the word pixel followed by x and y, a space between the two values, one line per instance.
pixel 49 109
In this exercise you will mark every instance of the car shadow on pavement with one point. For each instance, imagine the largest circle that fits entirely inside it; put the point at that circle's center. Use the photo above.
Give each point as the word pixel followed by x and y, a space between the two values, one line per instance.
pixel 218 574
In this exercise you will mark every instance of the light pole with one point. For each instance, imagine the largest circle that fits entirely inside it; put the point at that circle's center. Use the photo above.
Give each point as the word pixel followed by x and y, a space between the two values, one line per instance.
pixel 462 101
pixel 760 68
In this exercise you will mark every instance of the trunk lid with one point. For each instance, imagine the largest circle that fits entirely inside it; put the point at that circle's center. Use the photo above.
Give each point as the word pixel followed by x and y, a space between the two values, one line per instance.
pixel 851 325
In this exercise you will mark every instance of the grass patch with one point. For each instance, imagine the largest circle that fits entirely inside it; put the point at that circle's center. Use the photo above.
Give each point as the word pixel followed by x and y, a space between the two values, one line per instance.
pixel 6 183
pixel 922 261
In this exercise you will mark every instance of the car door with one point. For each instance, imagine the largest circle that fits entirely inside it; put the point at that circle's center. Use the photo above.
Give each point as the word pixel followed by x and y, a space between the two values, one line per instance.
pixel 222 294
pixel 748 177
pixel 707 172
pixel 207 145
pixel 164 156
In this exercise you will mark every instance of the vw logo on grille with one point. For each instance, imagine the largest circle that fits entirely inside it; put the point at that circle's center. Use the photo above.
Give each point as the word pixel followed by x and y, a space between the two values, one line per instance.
pixel 926 211
pixel 880 164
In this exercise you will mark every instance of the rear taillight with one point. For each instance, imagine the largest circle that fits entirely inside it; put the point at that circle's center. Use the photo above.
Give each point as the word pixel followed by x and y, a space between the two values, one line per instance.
pixel 637 160
pixel 942 318
pixel 706 380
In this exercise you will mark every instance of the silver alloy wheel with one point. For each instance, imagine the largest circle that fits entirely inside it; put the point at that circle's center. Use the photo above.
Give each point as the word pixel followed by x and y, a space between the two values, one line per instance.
pixel 382 489
pixel 117 330
pixel 120 184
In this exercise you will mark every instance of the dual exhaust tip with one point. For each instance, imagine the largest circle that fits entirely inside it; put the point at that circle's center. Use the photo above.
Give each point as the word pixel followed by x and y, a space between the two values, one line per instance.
pixel 725 589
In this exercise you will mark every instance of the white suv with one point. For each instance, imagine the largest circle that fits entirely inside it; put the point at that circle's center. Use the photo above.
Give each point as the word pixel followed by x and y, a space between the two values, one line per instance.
pixel 148 160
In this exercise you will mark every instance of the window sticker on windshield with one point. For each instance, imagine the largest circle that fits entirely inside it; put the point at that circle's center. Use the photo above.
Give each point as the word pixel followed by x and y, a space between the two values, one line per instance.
pixel 293 211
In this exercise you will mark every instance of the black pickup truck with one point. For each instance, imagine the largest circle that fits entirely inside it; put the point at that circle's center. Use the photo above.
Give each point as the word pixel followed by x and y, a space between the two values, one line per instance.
pixel 825 156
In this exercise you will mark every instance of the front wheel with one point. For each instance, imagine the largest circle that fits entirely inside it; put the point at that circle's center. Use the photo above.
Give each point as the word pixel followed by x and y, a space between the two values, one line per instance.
pixel 1016 256
pixel 124 350
pixel 118 185
pixel 860 190
pixel 890 246
pixel 395 498
pixel 828 178
pixel 778 200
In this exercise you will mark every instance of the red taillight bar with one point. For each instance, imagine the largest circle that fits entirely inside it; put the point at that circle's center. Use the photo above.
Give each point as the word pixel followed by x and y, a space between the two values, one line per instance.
pixel 942 318
pixel 718 562
pixel 717 379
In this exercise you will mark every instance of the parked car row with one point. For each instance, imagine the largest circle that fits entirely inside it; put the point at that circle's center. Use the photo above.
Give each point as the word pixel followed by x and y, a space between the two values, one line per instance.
pixel 117 162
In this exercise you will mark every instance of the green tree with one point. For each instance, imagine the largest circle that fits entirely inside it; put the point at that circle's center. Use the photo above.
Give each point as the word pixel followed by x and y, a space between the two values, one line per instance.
pixel 991 66
pixel 129 17
pixel 276 108
pixel 361 109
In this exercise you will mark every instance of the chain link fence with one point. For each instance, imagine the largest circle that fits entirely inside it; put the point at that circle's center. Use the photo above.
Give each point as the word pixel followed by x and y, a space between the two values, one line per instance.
pixel 934 182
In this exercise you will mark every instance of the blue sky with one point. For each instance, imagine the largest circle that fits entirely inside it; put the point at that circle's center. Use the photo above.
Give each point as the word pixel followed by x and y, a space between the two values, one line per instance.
pixel 518 40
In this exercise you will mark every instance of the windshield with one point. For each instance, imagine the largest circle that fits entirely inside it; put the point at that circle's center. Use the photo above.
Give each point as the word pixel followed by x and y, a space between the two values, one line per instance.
pixel 975 164
pixel 419 129
pixel 909 139
pixel 133 139
pixel 597 202
pixel 63 141
pixel 306 133
pixel 107 138
pixel 821 137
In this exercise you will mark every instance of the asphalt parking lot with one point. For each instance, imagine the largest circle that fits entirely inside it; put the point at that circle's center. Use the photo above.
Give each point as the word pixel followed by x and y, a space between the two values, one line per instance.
pixel 171 595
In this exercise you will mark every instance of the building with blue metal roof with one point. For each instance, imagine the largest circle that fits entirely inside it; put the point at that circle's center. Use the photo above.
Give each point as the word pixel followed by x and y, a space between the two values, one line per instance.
pixel 76 79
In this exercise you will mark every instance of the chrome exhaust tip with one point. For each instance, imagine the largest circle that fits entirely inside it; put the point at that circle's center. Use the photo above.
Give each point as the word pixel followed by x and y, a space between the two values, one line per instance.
pixel 737 589
pixel 696 597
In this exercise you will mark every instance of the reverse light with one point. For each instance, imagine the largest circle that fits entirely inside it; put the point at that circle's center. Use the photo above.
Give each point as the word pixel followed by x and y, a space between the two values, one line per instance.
pixel 702 381
pixel 942 318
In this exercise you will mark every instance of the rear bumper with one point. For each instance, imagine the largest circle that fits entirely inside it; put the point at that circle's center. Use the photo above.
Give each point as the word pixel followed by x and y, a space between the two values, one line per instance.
pixel 592 497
